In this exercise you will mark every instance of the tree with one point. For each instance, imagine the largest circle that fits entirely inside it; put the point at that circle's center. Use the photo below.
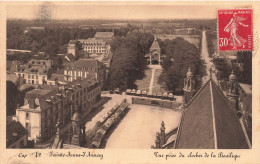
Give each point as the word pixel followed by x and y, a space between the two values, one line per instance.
pixel 64 38
pixel 11 95
pixel 180 55
pixel 128 61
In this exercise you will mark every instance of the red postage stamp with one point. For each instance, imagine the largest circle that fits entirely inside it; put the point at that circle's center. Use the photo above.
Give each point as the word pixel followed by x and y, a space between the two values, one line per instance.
pixel 235 31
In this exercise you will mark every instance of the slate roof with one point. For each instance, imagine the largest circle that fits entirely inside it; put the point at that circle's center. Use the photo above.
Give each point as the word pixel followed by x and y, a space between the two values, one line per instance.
pixel 72 42
pixel 87 63
pixel 48 92
pixel 155 45
pixel 210 122
pixel 14 131
pixel 11 77
pixel 106 35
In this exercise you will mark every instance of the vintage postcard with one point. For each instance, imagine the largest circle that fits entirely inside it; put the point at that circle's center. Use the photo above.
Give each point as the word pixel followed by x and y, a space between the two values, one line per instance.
pixel 130 82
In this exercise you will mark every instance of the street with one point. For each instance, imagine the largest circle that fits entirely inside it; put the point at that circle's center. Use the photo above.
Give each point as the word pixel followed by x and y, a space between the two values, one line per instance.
pixel 206 58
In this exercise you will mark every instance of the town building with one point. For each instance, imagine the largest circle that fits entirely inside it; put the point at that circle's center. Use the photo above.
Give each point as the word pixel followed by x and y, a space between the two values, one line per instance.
pixel 16 135
pixel 71 48
pixel 105 36
pixel 83 68
pixel 33 74
pixel 94 46
pixel 46 104
pixel 35 71
pixel 154 55
pixel 43 63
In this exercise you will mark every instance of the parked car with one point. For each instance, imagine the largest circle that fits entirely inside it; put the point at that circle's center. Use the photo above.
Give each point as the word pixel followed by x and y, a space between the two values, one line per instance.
pixel 138 92
pixel 111 91
pixel 149 94
pixel 133 92
pixel 165 95
pixel 170 96
pixel 144 93
pixel 128 91
pixel 159 95
pixel 117 90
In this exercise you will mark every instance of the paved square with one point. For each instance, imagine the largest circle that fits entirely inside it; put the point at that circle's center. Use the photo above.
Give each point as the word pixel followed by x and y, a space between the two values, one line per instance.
pixel 138 128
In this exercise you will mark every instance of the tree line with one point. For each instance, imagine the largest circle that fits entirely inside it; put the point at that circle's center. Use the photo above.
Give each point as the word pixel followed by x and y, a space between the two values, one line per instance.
pixel 179 56
pixel 128 62
pixel 242 67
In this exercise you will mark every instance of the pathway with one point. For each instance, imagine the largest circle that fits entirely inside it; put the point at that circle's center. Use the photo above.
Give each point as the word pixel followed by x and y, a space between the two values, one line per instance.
pixel 205 56
pixel 152 79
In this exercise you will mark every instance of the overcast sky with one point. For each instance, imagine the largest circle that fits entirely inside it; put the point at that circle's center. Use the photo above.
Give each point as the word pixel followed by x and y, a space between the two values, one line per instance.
pixel 114 11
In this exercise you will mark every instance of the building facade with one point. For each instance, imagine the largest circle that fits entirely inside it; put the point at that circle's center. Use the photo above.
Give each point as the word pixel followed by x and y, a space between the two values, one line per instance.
pixel 35 71
pixel 71 48
pixel 94 46
pixel 84 68
pixel 43 63
pixel 45 105
pixel 154 56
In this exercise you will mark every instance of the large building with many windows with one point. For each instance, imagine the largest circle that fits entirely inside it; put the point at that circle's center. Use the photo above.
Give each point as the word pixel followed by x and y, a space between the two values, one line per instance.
pixel 35 71
pixel 94 46
pixel 84 68
pixel 46 104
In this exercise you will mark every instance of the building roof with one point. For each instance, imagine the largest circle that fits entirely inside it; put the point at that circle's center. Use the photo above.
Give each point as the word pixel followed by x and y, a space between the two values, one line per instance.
pixel 34 69
pixel 105 35
pixel 92 42
pixel 14 131
pixel 11 77
pixel 72 42
pixel 155 45
pixel 87 63
pixel 210 122
pixel 59 77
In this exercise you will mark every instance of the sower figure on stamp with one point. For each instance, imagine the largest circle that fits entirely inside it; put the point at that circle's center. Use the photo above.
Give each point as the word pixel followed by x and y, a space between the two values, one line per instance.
pixel 232 28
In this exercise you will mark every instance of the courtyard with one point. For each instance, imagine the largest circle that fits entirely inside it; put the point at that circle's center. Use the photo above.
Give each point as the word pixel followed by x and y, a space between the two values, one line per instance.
pixel 137 130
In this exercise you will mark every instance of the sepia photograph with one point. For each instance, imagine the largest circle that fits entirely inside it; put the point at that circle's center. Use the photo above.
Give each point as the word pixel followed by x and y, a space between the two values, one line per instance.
pixel 116 77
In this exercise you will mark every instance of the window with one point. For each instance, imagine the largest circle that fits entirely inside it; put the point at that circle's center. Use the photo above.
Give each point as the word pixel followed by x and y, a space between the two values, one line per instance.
pixel 27 125
pixel 27 115
pixel 29 76
pixel 32 76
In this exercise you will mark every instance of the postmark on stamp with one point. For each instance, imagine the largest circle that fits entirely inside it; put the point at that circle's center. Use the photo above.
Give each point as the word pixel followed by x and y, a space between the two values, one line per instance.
pixel 235 31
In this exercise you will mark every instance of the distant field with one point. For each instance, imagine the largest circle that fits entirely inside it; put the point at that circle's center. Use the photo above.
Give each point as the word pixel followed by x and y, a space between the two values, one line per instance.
pixel 193 39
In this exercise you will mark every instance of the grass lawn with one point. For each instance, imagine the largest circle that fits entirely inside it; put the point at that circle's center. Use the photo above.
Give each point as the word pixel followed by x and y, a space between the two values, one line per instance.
pixel 144 83
pixel 156 86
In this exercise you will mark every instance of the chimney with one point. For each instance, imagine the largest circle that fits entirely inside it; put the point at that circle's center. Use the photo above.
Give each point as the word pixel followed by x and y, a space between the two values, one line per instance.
pixel 56 81
pixel 18 106
pixel 31 104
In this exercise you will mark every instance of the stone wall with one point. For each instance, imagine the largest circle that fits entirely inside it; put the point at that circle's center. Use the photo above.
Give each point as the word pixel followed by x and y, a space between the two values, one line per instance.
pixel 156 102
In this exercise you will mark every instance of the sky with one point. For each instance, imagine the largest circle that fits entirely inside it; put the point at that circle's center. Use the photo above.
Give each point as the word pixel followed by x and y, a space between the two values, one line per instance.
pixel 111 11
